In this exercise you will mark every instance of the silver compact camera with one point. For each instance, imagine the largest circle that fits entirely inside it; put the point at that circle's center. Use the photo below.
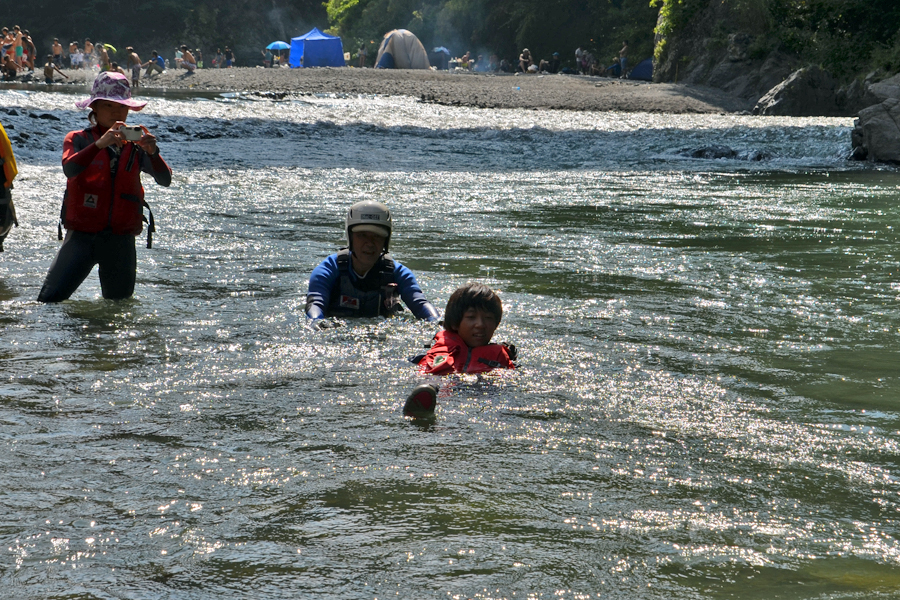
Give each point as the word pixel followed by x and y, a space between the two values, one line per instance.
pixel 131 133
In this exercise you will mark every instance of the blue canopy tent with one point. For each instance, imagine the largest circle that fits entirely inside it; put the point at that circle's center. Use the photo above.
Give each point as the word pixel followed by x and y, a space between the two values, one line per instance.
pixel 316 49
pixel 643 70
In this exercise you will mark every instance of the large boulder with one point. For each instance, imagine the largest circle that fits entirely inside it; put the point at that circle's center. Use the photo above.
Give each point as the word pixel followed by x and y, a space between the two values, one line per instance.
pixel 886 88
pixel 856 96
pixel 808 92
pixel 876 133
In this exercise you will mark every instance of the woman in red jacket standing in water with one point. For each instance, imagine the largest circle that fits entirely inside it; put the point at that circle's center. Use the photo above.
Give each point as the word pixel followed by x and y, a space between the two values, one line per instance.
pixel 103 205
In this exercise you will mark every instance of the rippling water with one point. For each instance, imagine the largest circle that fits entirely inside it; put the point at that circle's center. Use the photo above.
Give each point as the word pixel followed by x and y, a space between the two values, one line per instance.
pixel 706 406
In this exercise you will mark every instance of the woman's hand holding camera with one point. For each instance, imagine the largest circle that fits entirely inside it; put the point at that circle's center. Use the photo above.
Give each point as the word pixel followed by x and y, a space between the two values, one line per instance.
pixel 120 133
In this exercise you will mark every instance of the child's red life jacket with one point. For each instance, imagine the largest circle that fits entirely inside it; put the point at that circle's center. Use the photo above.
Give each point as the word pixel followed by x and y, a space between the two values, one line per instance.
pixel 449 354
pixel 96 200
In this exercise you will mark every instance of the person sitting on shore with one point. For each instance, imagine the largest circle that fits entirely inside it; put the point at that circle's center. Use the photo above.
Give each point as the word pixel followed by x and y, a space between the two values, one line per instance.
pixel 472 316
pixel 156 64
pixel 550 66
pixel 10 68
pixel 525 60
pixel 187 60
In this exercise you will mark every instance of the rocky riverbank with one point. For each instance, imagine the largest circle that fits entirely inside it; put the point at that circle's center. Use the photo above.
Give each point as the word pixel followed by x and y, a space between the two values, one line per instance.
pixel 562 92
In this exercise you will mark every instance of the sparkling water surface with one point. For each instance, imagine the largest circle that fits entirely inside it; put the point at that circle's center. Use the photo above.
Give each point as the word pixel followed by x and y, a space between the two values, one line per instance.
pixel 706 405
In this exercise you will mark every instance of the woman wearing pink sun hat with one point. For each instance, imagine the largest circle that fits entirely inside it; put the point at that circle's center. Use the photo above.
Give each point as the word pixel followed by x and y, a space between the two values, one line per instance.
pixel 104 201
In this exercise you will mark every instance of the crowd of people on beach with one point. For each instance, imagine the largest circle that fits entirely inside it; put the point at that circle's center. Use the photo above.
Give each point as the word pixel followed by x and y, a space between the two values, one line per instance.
pixel 18 52
pixel 586 63
pixel 19 56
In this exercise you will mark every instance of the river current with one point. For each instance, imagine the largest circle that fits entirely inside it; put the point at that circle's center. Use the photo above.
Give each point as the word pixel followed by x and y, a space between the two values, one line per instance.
pixel 706 311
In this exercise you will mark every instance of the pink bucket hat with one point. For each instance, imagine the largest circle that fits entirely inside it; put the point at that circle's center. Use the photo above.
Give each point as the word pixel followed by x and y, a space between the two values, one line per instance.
pixel 113 87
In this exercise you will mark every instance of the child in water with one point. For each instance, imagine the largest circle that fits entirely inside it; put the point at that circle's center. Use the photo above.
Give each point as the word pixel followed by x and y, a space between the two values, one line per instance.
pixel 50 68
pixel 464 346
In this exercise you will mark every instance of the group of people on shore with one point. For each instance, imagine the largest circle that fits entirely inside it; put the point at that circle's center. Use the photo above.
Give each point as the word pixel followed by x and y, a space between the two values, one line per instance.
pixel 18 52
pixel 588 64
pixel 19 55
pixel 585 64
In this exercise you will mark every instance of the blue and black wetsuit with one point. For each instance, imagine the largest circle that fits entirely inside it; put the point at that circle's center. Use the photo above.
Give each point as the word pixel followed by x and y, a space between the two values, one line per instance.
pixel 335 290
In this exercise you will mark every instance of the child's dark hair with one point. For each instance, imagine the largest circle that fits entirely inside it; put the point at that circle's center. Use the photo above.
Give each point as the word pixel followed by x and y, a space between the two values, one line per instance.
pixel 471 295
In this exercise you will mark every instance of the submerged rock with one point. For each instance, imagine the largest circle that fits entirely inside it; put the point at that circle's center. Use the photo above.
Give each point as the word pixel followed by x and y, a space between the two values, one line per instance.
pixel 720 152
pixel 709 152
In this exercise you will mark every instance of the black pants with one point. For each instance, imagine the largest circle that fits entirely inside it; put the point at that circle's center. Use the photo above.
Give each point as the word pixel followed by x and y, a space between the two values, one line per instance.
pixel 115 254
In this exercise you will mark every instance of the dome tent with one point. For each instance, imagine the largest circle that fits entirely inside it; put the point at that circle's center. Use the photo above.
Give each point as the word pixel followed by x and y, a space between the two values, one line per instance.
pixel 316 49
pixel 643 71
pixel 401 49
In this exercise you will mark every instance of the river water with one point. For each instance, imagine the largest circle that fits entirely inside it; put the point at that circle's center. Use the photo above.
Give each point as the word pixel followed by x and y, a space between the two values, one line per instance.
pixel 706 405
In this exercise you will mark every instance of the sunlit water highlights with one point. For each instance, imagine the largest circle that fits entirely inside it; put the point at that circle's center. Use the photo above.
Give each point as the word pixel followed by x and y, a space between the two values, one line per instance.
pixel 705 406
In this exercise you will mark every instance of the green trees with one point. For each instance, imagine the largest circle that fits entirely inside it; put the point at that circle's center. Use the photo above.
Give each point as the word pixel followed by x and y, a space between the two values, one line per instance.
pixel 845 36
pixel 503 27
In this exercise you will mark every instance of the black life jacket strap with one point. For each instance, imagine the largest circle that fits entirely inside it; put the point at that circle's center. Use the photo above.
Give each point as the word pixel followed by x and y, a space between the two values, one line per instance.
pixel 343 261
pixel 151 225
pixel 62 217
pixel 491 363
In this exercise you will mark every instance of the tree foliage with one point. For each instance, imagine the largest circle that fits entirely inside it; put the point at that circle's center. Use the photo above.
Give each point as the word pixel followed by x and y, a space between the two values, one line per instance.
pixel 844 36
pixel 847 37
pixel 502 27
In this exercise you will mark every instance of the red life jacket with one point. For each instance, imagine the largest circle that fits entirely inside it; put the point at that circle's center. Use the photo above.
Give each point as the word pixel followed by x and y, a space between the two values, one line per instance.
pixel 96 200
pixel 449 354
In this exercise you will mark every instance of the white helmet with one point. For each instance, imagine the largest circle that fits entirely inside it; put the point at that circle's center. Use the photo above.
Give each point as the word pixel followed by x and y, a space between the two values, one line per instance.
pixel 369 215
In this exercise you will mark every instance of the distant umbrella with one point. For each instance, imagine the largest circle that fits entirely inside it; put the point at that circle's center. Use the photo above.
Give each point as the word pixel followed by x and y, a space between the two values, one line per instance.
pixel 278 46
pixel 441 49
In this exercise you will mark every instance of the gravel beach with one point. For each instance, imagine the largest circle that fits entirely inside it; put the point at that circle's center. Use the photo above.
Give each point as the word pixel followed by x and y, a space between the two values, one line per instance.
pixel 561 92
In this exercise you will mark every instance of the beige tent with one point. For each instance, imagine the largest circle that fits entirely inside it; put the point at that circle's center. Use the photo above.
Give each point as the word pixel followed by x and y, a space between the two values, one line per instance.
pixel 401 49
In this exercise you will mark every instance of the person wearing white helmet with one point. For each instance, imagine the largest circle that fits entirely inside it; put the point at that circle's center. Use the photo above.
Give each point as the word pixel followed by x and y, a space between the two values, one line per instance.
pixel 362 280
